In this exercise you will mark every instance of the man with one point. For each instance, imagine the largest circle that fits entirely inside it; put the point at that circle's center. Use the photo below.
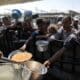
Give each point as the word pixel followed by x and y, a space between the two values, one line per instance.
pixel 39 34
pixel 27 29
pixel 8 35
pixel 69 43
pixel 65 30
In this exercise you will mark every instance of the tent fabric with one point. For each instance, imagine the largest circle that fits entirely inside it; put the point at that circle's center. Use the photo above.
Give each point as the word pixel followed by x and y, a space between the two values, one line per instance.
pixel 5 2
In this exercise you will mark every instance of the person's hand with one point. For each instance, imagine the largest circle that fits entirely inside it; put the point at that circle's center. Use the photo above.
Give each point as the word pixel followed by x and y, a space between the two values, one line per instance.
pixel 47 63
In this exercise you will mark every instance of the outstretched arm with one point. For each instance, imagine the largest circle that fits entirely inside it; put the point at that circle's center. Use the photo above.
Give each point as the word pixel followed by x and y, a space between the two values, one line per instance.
pixel 68 43
pixel 55 57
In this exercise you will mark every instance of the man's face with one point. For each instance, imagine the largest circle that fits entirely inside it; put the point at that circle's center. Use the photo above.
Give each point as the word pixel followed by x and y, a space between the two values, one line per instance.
pixel 43 27
pixel 75 23
pixel 6 21
pixel 67 23
pixel 27 24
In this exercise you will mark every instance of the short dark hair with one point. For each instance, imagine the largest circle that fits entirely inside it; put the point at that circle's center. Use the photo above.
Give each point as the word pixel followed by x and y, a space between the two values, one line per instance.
pixel 68 17
pixel 42 21
pixel 5 18
pixel 39 21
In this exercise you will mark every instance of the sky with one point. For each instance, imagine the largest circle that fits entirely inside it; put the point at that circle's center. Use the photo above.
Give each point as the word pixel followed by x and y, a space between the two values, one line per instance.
pixel 46 5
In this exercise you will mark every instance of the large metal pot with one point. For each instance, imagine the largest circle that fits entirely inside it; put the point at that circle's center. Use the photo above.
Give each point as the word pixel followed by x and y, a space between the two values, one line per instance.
pixel 7 72
pixel 38 69
pixel 26 73
pixel 22 72
pixel 11 71
pixel 42 45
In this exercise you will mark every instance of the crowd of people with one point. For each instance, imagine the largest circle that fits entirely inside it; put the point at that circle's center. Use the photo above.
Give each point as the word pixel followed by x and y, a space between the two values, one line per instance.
pixel 14 35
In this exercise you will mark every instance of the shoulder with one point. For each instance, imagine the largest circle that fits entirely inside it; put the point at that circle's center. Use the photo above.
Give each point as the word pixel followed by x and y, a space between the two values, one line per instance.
pixel 35 33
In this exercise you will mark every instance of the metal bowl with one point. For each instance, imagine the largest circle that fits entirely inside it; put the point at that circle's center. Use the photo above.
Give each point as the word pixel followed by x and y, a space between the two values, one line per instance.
pixel 14 53
pixel 37 67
